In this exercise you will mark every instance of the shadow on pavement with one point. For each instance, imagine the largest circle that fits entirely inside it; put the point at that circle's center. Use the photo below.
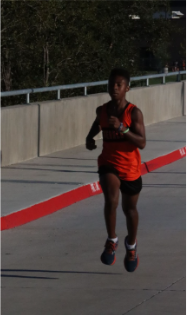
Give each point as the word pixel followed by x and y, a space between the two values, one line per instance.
pixel 56 271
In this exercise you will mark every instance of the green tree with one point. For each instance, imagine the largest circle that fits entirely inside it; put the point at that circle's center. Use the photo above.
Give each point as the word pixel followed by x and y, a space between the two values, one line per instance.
pixel 64 42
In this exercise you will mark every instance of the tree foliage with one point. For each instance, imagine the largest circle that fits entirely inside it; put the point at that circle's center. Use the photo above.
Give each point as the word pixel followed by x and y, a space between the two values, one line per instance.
pixel 47 43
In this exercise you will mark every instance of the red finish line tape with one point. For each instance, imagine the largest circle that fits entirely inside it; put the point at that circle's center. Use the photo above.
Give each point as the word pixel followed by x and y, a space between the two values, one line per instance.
pixel 66 199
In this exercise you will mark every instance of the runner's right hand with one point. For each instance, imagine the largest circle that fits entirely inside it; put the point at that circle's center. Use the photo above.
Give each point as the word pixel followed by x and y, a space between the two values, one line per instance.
pixel 90 144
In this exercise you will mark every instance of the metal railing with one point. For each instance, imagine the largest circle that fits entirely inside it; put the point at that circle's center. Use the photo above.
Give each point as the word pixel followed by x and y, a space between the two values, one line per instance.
pixel 59 88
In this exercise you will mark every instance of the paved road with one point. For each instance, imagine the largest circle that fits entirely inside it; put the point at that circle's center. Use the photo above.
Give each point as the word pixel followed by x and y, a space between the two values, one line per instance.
pixel 52 265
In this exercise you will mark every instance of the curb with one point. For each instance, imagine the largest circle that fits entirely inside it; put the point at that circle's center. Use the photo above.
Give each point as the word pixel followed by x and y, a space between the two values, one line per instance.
pixel 66 199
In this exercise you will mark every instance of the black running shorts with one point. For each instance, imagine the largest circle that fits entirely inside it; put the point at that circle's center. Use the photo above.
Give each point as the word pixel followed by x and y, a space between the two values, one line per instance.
pixel 127 187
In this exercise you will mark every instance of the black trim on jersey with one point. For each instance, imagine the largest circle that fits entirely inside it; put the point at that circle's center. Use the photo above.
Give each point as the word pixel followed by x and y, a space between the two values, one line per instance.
pixel 112 135
pixel 107 109
pixel 115 140
pixel 109 128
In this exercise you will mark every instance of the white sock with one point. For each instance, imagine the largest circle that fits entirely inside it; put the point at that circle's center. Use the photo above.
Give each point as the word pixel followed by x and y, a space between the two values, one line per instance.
pixel 130 246
pixel 115 240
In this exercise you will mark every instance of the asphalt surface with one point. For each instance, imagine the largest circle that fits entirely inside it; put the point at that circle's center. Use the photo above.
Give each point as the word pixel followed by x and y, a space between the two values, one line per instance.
pixel 52 265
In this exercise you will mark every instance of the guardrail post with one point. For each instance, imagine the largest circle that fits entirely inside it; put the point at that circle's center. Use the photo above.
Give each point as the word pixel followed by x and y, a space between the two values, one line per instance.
pixel 85 90
pixel 58 94
pixel 178 77
pixel 164 79
pixel 147 82
pixel 27 98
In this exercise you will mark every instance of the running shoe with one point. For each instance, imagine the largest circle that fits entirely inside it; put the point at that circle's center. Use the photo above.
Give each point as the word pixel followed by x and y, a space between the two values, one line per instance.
pixel 131 260
pixel 108 257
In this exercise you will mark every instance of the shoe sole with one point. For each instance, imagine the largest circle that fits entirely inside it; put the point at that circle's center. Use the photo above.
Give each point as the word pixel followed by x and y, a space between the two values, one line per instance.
pixel 113 261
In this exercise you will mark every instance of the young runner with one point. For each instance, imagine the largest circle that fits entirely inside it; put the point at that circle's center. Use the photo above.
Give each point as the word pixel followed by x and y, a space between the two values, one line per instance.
pixel 119 164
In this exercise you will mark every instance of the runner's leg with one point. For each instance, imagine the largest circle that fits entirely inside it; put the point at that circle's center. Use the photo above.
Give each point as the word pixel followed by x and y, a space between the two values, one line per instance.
pixel 110 185
pixel 130 210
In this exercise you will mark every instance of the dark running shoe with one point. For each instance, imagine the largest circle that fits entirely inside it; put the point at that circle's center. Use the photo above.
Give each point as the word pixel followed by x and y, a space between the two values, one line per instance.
pixel 131 260
pixel 108 257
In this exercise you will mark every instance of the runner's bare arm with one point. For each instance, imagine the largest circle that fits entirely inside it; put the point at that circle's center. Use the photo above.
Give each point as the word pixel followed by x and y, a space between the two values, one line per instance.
pixel 95 129
pixel 136 134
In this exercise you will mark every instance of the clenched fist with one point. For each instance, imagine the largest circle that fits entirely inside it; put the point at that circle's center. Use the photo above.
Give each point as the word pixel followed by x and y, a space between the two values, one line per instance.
pixel 114 122
pixel 90 144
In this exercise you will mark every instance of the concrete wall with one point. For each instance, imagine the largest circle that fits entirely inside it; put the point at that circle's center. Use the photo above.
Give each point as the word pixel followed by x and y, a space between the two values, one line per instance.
pixel 46 127
pixel 19 133
pixel 184 98
pixel 159 102
pixel 65 124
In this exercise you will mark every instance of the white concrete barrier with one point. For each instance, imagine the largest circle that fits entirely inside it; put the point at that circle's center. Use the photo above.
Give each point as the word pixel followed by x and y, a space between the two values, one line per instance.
pixel 184 98
pixel 47 127
pixel 19 133
pixel 158 102
pixel 65 123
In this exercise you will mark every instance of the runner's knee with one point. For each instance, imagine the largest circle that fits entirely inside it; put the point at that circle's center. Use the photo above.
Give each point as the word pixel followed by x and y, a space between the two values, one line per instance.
pixel 130 211
pixel 111 202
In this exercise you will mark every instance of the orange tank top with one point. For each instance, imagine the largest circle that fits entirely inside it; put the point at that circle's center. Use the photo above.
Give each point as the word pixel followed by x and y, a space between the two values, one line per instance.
pixel 118 152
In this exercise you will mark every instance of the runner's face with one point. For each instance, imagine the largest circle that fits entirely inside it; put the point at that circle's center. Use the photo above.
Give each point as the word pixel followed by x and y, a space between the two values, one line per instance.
pixel 118 87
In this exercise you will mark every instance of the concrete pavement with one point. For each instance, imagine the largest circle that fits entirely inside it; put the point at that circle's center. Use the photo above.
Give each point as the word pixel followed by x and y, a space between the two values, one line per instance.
pixel 39 179
pixel 52 265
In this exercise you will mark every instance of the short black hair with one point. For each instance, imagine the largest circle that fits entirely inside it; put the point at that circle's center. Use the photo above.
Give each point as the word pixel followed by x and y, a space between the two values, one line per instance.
pixel 121 72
